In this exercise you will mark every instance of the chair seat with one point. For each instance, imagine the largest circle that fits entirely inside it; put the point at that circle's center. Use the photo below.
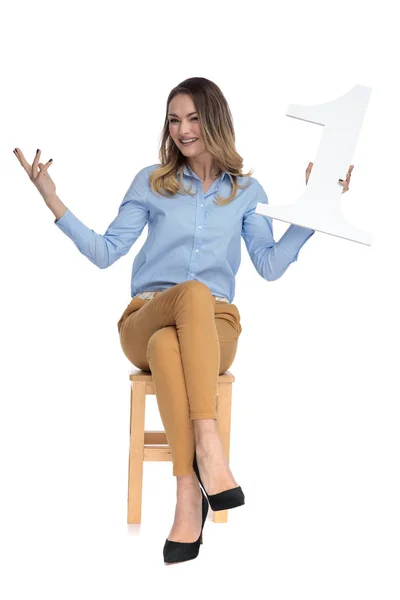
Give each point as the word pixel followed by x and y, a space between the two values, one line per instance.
pixel 139 375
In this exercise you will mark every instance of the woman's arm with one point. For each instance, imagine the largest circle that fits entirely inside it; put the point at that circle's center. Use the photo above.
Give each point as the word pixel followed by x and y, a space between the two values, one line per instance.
pixel 104 250
pixel 270 258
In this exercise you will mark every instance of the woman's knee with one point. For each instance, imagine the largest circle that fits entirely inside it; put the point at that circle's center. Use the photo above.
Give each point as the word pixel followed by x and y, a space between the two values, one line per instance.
pixel 197 288
pixel 227 355
pixel 162 341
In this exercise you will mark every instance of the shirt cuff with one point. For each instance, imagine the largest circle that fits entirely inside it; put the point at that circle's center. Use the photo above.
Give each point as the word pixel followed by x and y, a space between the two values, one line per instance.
pixel 294 239
pixel 73 227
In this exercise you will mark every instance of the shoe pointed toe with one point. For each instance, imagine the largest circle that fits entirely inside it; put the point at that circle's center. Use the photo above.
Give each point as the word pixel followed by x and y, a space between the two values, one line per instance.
pixel 174 552
pixel 227 499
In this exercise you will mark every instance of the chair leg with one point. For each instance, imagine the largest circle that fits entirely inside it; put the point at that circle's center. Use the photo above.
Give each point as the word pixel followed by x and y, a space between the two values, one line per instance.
pixel 224 403
pixel 136 450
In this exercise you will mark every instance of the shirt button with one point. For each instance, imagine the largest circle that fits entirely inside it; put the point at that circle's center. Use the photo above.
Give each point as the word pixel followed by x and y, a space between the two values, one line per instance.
pixel 201 204
pixel 200 226
pixel 192 274
pixel 196 250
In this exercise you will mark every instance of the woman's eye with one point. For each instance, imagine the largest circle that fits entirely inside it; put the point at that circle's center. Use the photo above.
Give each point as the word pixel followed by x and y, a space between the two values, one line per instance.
pixel 173 120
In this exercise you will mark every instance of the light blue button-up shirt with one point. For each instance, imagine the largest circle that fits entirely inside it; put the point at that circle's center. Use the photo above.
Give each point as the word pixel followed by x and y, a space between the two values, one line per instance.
pixel 189 237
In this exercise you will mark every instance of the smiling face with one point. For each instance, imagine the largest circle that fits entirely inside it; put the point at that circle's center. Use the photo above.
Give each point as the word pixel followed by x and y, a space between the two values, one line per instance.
pixel 184 125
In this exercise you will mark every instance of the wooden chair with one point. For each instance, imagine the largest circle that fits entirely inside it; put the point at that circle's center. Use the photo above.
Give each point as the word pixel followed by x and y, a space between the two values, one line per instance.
pixel 153 445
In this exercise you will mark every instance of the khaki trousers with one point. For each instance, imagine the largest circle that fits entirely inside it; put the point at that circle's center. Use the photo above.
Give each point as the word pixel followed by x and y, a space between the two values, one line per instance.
pixel 185 338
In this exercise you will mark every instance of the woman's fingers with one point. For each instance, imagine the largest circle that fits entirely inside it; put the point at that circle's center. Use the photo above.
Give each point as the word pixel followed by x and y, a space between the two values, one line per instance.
pixel 35 164
pixel 43 168
pixel 38 173
pixel 32 171
pixel 345 183
pixel 308 171
pixel 349 173
pixel 24 163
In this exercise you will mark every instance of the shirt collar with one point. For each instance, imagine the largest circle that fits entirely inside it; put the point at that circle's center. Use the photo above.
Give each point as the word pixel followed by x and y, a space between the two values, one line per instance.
pixel 188 171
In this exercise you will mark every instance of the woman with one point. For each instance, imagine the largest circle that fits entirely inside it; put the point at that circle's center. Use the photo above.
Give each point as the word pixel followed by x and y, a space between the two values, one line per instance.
pixel 181 324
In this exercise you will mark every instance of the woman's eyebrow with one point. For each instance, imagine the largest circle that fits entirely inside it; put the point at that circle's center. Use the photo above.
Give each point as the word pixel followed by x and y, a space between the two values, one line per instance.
pixel 188 115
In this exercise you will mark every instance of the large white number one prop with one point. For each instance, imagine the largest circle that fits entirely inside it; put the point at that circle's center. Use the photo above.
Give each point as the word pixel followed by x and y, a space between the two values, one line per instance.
pixel 319 207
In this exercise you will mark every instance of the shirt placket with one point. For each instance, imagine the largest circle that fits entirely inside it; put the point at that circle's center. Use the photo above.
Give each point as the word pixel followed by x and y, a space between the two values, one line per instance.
pixel 199 229
pixel 199 226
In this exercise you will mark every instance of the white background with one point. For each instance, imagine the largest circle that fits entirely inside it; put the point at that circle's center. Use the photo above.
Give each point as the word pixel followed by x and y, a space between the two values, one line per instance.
pixel 315 421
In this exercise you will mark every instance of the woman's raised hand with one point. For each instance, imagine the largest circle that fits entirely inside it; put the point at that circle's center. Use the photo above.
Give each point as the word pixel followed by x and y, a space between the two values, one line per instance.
pixel 345 183
pixel 38 174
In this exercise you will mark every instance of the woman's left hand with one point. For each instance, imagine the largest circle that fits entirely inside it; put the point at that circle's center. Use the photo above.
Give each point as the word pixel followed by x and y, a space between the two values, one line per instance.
pixel 345 183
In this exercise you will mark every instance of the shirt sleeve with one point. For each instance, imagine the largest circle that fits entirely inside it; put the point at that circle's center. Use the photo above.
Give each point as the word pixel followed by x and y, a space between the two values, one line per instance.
pixel 104 250
pixel 270 258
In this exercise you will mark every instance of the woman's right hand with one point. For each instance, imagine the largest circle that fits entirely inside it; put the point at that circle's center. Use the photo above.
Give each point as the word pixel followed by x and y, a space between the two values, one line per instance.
pixel 38 174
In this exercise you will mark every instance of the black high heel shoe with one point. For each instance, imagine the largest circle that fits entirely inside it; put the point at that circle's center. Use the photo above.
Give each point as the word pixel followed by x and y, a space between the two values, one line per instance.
pixel 180 551
pixel 223 500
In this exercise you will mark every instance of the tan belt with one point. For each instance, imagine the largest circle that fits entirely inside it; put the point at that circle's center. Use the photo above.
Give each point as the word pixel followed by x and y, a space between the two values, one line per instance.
pixel 150 295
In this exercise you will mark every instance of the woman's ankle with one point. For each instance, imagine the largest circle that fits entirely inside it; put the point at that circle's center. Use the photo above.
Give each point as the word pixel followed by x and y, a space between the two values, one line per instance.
pixel 205 431
pixel 187 482
pixel 203 426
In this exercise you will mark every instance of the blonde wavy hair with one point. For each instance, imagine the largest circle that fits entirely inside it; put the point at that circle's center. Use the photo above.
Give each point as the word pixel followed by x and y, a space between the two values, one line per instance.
pixel 216 125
